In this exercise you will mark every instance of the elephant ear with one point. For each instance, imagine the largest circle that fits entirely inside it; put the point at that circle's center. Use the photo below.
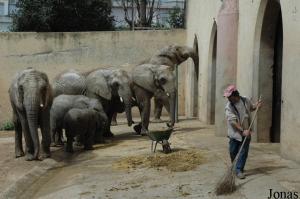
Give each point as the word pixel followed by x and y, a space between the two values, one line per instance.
pixel 16 91
pixel 48 92
pixel 143 76
pixel 97 85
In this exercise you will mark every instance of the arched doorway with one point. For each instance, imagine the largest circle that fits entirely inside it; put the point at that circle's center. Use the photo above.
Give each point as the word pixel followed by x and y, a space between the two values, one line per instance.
pixel 270 73
pixel 212 75
pixel 196 82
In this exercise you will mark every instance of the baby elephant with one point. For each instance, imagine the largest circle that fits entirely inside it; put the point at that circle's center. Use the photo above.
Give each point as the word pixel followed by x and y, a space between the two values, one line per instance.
pixel 82 123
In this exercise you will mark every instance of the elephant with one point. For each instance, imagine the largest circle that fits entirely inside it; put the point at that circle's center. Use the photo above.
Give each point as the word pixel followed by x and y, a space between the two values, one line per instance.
pixel 113 88
pixel 148 80
pixel 62 104
pixel 110 86
pixel 82 123
pixel 69 82
pixel 31 97
pixel 172 55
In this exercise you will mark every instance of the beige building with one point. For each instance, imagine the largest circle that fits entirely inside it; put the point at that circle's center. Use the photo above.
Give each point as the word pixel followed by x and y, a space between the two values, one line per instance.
pixel 256 45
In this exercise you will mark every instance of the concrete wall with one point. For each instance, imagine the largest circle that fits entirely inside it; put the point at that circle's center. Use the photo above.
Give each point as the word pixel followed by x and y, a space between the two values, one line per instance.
pixel 55 52
pixel 201 17
pixel 251 13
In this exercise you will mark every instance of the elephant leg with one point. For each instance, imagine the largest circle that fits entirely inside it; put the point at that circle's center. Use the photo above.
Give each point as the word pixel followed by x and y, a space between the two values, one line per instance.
pixel 137 128
pixel 143 98
pixel 18 136
pixel 89 137
pixel 28 140
pixel 107 131
pixel 59 138
pixel 158 105
pixel 69 147
pixel 45 131
pixel 114 119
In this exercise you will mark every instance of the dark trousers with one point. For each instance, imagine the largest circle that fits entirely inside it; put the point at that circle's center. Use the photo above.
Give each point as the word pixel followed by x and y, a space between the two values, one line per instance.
pixel 234 147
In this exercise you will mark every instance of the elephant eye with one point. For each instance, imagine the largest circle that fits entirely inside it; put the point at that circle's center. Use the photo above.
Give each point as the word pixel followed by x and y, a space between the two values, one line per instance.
pixel 162 81
pixel 115 85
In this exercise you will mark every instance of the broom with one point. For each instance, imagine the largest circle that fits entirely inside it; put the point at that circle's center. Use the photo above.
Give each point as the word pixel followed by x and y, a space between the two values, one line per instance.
pixel 226 185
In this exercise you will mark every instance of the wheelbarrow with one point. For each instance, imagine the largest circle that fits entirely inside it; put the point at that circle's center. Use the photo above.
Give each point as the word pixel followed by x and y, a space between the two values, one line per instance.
pixel 162 138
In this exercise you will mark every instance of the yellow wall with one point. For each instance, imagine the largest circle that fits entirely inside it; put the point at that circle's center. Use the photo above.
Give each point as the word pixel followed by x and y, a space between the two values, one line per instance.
pixel 55 52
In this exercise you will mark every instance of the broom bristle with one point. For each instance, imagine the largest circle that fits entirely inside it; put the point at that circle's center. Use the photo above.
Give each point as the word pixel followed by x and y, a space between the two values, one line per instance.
pixel 226 185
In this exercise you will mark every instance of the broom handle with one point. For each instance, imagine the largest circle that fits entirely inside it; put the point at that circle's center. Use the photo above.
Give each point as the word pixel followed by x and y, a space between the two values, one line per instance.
pixel 240 150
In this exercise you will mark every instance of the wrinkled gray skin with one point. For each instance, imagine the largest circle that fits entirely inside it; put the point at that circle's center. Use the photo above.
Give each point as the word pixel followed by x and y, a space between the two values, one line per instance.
pixel 69 82
pixel 83 123
pixel 148 80
pixel 172 55
pixel 112 87
pixel 106 85
pixel 62 104
pixel 31 98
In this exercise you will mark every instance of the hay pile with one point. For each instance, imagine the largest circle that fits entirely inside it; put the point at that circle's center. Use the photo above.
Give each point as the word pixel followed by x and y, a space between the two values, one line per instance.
pixel 177 161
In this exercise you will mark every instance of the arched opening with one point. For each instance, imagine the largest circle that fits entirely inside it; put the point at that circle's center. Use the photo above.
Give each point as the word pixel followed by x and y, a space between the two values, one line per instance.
pixel 270 73
pixel 212 75
pixel 196 83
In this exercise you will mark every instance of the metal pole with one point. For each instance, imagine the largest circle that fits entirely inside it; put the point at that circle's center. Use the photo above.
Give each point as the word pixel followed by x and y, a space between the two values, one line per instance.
pixel 176 102
pixel 132 15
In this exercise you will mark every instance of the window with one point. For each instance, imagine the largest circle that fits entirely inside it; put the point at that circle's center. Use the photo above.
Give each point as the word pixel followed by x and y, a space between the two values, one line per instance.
pixel 1 8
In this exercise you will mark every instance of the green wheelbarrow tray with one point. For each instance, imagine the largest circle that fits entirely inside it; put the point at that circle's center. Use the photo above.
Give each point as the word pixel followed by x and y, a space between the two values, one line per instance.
pixel 161 137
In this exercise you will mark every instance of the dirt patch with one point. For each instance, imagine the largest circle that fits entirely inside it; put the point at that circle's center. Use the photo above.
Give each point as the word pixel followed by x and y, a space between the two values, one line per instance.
pixel 177 161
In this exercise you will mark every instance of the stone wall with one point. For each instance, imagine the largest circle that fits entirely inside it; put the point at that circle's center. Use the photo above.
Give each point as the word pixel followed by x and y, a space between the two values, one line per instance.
pixel 55 52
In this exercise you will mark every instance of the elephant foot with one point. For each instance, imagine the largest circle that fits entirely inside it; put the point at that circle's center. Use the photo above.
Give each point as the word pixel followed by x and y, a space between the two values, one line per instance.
pixel 114 123
pixel 99 140
pixel 69 150
pixel 56 144
pixel 29 157
pixel 108 134
pixel 138 128
pixel 77 143
pixel 45 155
pixel 19 154
pixel 88 148
pixel 144 132
pixel 157 120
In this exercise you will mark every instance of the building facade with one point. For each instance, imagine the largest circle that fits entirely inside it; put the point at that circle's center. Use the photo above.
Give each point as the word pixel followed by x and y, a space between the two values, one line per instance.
pixel 254 44
pixel 161 15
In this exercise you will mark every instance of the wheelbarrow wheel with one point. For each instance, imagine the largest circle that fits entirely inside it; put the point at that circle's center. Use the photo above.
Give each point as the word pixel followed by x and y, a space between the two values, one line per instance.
pixel 166 146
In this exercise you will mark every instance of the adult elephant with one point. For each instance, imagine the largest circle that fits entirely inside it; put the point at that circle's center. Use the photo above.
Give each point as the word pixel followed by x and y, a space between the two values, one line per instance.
pixel 69 82
pixel 31 98
pixel 112 87
pixel 172 55
pixel 149 79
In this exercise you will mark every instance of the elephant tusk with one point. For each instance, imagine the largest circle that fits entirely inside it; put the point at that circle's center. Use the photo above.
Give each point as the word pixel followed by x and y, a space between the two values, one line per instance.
pixel 121 99
pixel 168 94
pixel 133 99
pixel 41 105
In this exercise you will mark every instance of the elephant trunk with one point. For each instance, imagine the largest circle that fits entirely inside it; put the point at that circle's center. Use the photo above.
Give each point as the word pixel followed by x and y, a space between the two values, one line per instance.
pixel 172 114
pixel 128 112
pixel 32 105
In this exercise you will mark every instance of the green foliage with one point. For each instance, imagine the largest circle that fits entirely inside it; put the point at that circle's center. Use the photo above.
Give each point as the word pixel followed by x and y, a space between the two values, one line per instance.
pixel 7 126
pixel 176 18
pixel 62 15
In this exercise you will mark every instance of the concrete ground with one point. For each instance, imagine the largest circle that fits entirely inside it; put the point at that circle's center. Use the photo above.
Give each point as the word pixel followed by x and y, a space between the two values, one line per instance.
pixel 91 174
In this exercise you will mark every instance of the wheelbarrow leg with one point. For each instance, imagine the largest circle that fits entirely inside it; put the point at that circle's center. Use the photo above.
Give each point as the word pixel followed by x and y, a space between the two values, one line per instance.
pixel 152 146
pixel 155 146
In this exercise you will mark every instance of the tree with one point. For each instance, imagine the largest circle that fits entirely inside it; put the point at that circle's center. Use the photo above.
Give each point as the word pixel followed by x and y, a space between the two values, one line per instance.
pixel 176 18
pixel 63 15
pixel 145 10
